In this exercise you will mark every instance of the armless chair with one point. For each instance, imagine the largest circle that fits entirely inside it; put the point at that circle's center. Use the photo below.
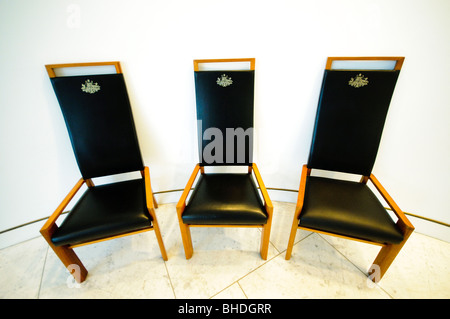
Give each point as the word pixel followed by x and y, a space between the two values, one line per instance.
pixel 224 101
pixel 98 116
pixel 352 109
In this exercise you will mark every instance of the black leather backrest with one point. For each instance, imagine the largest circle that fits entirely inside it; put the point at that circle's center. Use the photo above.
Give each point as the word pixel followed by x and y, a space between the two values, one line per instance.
pixel 225 107
pixel 350 118
pixel 98 117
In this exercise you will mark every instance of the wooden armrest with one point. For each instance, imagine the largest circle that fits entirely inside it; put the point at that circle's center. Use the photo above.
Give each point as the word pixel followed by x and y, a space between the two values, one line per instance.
pixel 148 189
pixel 268 202
pixel 182 202
pixel 403 221
pixel 301 191
pixel 52 219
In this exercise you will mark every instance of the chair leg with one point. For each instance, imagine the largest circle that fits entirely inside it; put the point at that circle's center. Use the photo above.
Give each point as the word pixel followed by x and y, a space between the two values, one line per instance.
pixel 383 260
pixel 162 248
pixel 187 240
pixel 386 256
pixel 71 262
pixel 80 272
pixel 67 256
pixel 265 239
pixel 291 238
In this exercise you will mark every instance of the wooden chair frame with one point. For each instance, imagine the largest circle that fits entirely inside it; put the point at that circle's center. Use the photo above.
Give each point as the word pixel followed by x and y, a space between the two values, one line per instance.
pixel 185 228
pixel 398 64
pixel 388 252
pixel 66 253
pixel 251 60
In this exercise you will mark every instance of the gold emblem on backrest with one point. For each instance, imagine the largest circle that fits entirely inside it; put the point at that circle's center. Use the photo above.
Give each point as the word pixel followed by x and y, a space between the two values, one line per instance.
pixel 224 80
pixel 358 81
pixel 90 87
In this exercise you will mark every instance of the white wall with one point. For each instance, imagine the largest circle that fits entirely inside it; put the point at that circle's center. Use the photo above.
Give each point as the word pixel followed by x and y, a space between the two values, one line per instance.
pixel 156 42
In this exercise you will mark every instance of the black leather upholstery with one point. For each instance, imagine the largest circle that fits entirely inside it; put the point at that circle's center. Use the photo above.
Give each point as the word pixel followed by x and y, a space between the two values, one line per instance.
pixel 350 121
pixel 347 208
pixel 104 211
pixel 100 124
pixel 225 199
pixel 229 107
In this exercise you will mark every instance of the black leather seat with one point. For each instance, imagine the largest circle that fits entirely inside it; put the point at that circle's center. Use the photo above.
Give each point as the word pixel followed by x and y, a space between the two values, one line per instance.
pixel 99 120
pixel 224 101
pixel 350 208
pixel 225 199
pixel 105 211
pixel 352 110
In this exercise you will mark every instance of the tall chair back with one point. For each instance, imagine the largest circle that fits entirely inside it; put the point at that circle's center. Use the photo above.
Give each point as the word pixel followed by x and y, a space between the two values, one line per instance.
pixel 350 118
pixel 99 120
pixel 224 101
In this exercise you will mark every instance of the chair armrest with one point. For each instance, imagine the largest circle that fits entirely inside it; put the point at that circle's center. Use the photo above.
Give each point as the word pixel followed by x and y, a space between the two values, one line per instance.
pixel 182 202
pixel 148 189
pixel 49 226
pixel 301 191
pixel 267 202
pixel 403 221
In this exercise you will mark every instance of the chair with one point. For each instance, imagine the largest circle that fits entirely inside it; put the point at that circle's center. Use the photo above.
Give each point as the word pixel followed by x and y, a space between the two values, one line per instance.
pixel 224 102
pixel 100 124
pixel 352 109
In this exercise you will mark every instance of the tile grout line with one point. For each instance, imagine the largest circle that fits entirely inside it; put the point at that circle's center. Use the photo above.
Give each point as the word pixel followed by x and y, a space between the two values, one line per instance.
pixel 264 263
pixel 364 273
pixel 237 280
pixel 242 289
pixel 170 280
pixel 42 274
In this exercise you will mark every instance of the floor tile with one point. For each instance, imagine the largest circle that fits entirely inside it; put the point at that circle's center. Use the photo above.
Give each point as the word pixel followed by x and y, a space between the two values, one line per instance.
pixel 315 270
pixel 21 268
pixel 227 265
pixel 420 270
pixel 232 292
pixel 221 257
pixel 128 267
pixel 283 216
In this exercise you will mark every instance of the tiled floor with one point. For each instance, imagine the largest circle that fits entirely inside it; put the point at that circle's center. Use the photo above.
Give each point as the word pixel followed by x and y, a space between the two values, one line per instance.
pixel 227 264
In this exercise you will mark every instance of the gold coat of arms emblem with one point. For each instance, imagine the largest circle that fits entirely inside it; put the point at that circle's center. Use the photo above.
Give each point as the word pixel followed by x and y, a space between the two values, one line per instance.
pixel 90 87
pixel 358 81
pixel 224 80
